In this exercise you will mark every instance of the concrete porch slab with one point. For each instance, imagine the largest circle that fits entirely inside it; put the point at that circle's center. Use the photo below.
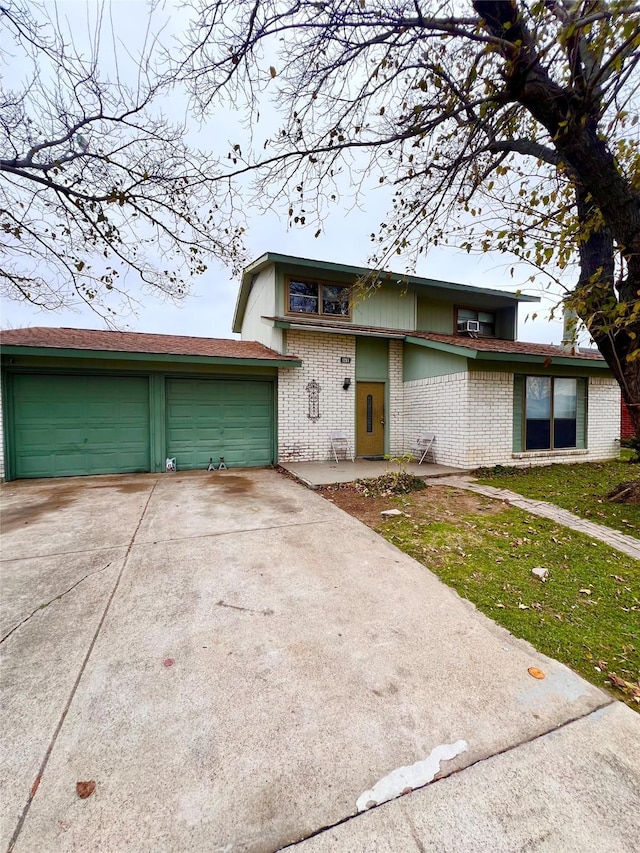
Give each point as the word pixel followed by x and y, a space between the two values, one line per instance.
pixel 327 473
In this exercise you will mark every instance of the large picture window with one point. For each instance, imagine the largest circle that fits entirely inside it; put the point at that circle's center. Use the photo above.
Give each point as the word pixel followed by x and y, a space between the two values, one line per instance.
pixel 551 409
pixel 317 298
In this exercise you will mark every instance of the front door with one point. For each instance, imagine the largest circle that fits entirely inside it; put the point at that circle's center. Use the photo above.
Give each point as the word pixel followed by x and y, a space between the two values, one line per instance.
pixel 370 418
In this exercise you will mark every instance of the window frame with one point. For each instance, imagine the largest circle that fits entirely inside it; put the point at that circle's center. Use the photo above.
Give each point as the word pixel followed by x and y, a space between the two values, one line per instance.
pixel 552 418
pixel 320 284
pixel 458 308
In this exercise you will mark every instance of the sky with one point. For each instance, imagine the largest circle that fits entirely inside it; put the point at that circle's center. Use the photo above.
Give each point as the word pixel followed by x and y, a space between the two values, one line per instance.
pixel 208 310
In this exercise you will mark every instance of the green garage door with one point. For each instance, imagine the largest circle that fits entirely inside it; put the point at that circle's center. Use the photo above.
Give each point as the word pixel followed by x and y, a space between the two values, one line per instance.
pixel 219 417
pixel 67 425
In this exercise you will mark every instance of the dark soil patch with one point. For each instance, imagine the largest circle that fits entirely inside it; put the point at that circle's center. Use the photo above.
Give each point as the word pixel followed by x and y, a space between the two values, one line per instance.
pixel 626 493
pixel 435 503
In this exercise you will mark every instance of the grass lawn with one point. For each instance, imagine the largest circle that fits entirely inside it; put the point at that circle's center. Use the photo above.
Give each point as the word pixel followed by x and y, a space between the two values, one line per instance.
pixel 580 488
pixel 585 615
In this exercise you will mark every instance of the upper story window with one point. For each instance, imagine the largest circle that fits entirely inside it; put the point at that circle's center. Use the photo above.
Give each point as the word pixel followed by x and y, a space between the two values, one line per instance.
pixel 486 320
pixel 316 298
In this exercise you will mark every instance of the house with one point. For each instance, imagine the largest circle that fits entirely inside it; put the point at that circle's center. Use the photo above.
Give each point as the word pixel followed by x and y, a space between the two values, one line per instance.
pixel 413 355
pixel 419 355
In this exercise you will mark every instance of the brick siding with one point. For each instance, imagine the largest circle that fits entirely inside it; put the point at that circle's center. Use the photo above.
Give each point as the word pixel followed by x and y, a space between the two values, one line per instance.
pixel 300 438
pixel 472 417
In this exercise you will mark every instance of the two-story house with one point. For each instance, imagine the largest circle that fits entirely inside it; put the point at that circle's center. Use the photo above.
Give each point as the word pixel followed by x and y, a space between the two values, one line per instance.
pixel 411 355
pixel 407 356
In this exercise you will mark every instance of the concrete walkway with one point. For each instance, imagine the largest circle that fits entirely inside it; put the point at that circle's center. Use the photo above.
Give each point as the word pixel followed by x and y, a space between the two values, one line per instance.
pixel 241 667
pixel 614 538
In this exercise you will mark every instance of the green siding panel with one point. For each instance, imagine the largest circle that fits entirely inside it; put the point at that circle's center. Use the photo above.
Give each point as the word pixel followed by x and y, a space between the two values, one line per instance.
pixel 518 413
pixel 581 414
pixel 434 315
pixel 70 425
pixel 424 363
pixel 389 307
pixel 212 418
pixel 372 359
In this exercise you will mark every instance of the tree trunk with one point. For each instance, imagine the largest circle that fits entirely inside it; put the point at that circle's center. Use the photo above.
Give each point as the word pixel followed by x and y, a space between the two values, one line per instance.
pixel 572 124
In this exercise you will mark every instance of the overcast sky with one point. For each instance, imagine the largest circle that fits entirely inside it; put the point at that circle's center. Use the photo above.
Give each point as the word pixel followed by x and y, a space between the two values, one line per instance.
pixel 344 239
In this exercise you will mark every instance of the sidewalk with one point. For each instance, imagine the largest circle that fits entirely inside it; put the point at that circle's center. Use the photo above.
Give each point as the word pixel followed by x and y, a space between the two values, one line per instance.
pixel 614 538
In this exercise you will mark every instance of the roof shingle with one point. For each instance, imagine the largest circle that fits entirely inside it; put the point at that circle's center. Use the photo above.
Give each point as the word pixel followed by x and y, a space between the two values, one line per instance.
pixel 515 347
pixel 479 344
pixel 139 342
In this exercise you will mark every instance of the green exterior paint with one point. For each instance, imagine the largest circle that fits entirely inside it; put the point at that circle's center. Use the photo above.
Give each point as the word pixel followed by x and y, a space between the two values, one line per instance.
pixel 59 365
pixel 308 268
pixel 100 375
pixel 581 415
pixel 434 315
pixel 391 307
pixel 69 425
pixel 209 418
pixel 465 352
pixel 507 323
pixel 518 413
pixel 372 359
pixel 558 366
pixel 422 363
pixel 157 404
pixel 151 358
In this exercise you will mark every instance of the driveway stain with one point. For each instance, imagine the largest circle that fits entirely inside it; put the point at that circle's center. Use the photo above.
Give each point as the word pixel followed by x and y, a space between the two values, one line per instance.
pixel 15 517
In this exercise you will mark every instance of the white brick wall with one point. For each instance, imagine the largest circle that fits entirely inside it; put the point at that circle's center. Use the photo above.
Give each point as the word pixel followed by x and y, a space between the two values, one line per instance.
pixel 472 417
pixel 438 405
pixel 300 438
pixel 603 400
pixel 396 400
pixel 490 419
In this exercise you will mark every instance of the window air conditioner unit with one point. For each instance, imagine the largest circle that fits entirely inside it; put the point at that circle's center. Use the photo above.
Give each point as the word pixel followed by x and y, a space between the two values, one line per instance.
pixel 468 326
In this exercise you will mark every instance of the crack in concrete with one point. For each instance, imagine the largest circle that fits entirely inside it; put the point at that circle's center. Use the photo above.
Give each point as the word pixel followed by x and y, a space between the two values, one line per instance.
pixel 63 716
pixel 235 532
pixel 55 598
pixel 267 612
pixel 122 547
pixel 511 748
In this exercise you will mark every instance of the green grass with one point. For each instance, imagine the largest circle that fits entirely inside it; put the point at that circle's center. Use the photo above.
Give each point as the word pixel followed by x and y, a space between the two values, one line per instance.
pixel 585 615
pixel 580 488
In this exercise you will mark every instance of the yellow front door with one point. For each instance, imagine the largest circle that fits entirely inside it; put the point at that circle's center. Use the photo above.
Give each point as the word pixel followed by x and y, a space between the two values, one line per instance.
pixel 370 418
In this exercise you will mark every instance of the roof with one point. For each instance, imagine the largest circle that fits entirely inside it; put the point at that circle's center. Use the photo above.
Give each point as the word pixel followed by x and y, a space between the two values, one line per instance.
pixel 495 345
pixel 42 337
pixel 479 348
pixel 383 276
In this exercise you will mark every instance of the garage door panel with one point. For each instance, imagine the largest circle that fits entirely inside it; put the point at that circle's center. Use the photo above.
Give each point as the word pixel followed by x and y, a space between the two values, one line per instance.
pixel 212 418
pixel 67 425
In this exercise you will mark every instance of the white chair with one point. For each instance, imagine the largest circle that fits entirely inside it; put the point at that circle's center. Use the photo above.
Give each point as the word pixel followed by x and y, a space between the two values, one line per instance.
pixel 340 444
pixel 423 446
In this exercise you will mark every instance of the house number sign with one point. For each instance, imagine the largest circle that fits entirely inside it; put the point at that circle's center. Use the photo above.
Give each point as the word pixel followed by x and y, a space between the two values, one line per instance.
pixel 345 360
pixel 313 390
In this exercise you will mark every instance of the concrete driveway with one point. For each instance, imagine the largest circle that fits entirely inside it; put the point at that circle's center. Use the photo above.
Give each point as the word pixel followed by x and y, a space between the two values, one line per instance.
pixel 240 666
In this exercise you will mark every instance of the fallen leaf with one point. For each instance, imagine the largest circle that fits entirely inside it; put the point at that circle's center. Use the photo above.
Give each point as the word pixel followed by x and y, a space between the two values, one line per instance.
pixel 522 606
pixel 535 672
pixel 85 789
pixel 585 591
